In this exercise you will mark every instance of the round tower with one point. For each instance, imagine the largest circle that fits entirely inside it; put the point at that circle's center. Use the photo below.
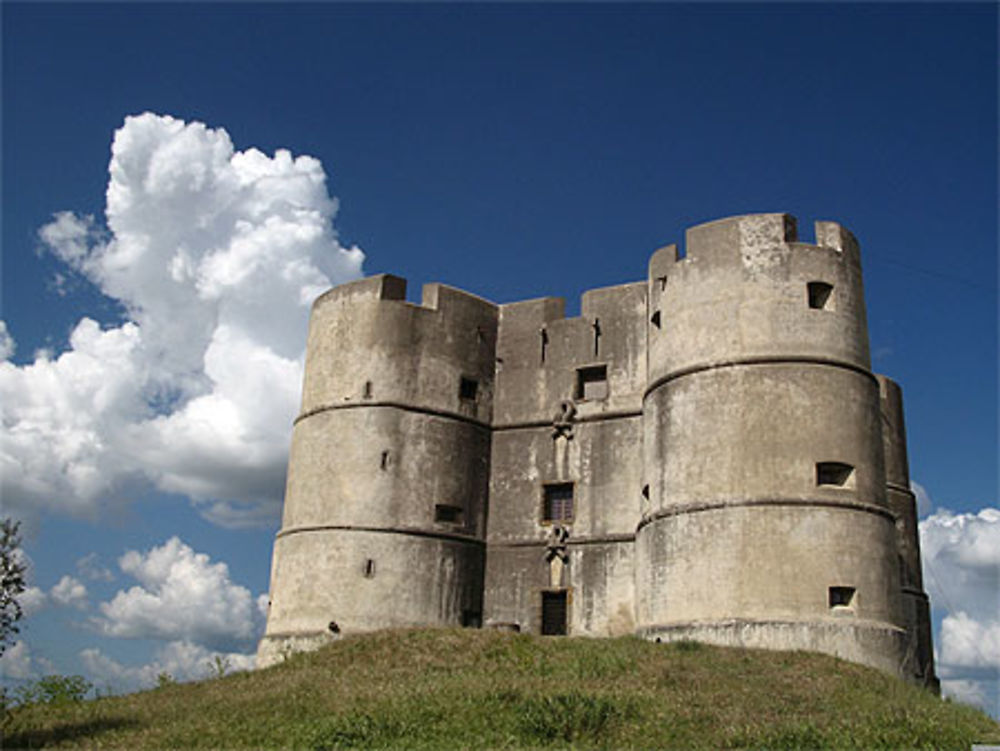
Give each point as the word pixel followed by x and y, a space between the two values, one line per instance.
pixel 919 663
pixel 385 503
pixel 767 523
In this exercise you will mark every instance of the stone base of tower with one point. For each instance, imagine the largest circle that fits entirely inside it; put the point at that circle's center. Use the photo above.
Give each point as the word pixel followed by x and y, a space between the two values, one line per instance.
pixel 276 648
pixel 870 643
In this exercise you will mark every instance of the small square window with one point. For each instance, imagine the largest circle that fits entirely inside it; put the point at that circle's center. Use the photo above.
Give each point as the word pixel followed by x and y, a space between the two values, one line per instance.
pixel 592 383
pixel 841 598
pixel 835 475
pixel 467 388
pixel 819 295
pixel 447 514
pixel 558 502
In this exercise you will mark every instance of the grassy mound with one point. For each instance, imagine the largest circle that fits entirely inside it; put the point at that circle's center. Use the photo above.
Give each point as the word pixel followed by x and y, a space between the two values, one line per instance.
pixel 449 689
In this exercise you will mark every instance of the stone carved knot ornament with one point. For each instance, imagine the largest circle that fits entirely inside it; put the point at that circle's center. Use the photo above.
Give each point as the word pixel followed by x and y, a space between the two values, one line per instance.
pixel 562 422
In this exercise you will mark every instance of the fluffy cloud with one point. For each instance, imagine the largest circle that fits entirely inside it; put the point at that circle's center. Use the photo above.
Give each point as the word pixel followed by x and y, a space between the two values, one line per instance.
pixel 180 659
pixel 19 663
pixel 182 596
pixel 961 556
pixel 214 256
pixel 69 592
pixel 91 568
pixel 32 599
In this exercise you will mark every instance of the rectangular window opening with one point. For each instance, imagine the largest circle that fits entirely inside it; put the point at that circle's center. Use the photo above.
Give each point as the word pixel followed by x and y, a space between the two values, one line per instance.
pixel 368 568
pixel 554 613
pixel 558 502
pixel 467 388
pixel 841 598
pixel 819 295
pixel 445 513
pixel 592 383
pixel 834 475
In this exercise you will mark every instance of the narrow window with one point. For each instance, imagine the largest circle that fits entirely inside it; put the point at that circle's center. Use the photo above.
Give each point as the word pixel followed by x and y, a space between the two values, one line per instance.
pixel 597 336
pixel 385 460
pixel 655 319
pixel 558 502
pixel 834 475
pixel 645 492
pixel 467 388
pixel 445 513
pixel 819 295
pixel 545 342
pixel 368 390
pixel 592 382
pixel 841 598
pixel 368 568
pixel 554 613
pixel 663 282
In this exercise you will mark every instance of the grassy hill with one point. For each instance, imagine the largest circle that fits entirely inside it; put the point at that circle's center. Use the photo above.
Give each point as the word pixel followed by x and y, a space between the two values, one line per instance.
pixel 447 689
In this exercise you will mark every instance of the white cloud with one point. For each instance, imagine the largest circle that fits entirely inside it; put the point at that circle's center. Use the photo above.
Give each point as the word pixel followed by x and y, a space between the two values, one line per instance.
pixel 214 256
pixel 182 596
pixel 961 558
pixel 32 599
pixel 69 592
pixel 924 503
pixel 18 663
pixel 7 345
pixel 181 660
pixel 91 568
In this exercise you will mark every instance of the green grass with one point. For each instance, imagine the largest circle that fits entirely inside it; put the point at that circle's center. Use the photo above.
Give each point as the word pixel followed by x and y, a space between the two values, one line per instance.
pixel 452 689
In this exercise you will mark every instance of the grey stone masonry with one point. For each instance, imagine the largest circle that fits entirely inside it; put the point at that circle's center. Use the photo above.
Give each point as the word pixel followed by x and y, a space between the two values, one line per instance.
pixel 704 454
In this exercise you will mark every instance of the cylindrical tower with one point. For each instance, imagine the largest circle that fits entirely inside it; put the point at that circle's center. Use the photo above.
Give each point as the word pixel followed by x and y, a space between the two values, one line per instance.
pixel 767 521
pixel 919 664
pixel 385 504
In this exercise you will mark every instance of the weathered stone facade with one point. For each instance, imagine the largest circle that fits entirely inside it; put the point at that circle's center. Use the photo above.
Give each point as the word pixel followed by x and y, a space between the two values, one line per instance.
pixel 705 454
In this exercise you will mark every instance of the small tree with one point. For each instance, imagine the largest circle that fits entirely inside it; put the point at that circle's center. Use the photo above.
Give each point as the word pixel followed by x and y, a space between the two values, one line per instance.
pixel 11 580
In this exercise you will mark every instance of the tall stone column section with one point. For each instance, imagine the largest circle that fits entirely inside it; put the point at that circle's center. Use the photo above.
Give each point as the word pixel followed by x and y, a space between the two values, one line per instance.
pixel 385 507
pixel 767 523
pixel 919 663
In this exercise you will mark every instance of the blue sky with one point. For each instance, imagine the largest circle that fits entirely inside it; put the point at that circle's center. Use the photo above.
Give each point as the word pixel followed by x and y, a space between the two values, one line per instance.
pixel 513 150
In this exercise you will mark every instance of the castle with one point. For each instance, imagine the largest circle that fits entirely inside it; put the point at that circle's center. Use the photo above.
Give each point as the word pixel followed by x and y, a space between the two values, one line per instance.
pixel 701 455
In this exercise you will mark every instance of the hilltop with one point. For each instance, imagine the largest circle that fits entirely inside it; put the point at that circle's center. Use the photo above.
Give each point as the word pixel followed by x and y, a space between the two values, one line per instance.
pixel 464 688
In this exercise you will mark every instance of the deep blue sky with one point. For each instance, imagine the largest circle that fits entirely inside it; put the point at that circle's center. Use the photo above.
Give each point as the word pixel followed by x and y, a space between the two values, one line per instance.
pixel 521 150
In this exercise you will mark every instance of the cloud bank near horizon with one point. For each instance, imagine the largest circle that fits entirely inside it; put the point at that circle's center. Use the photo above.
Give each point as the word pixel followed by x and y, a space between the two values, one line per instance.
pixel 214 256
pixel 961 562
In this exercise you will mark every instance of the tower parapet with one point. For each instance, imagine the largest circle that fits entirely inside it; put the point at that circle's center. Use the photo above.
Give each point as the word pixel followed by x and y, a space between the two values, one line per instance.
pixel 385 506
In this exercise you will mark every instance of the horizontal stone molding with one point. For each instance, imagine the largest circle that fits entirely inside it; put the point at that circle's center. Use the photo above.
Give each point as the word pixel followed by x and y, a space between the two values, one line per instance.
pixel 917 593
pixel 727 624
pixel 900 488
pixel 695 508
pixel 750 361
pixel 571 542
pixel 394 405
pixel 410 531
pixel 620 414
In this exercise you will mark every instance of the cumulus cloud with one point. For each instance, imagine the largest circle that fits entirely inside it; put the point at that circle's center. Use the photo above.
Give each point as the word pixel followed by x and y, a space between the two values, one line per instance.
pixel 69 592
pixel 32 599
pixel 961 557
pixel 181 660
pixel 182 596
pixel 214 256
pixel 19 663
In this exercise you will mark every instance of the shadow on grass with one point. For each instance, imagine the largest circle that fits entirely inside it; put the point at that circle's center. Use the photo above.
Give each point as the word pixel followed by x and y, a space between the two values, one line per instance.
pixel 70 731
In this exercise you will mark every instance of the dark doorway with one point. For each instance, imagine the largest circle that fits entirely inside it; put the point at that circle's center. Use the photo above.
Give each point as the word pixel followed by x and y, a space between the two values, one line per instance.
pixel 554 613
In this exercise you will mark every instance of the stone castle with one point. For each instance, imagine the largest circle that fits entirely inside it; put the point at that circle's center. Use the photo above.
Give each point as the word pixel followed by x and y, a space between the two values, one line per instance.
pixel 702 455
